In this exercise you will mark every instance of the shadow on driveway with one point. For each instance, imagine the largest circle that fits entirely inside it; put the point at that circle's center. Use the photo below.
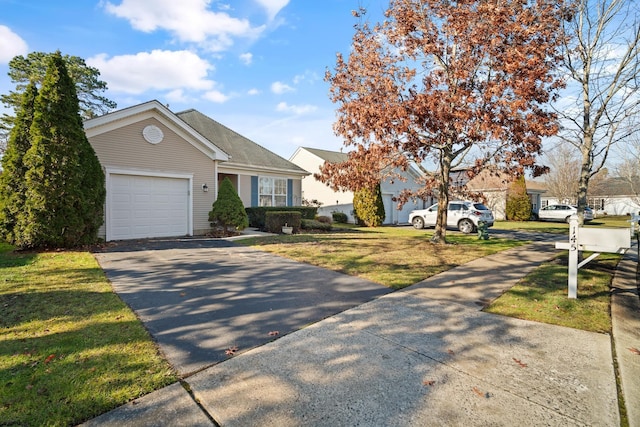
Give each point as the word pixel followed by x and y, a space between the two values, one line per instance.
pixel 201 297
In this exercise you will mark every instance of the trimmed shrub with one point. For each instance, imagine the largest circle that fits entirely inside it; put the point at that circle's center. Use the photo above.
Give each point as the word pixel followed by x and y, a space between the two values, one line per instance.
pixel 340 217
pixel 324 219
pixel 257 215
pixel 369 207
pixel 228 209
pixel 275 220
pixel 312 224
pixel 518 203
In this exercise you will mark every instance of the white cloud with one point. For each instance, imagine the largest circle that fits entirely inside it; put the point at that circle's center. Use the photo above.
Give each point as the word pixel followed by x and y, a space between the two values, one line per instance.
pixel 11 45
pixel 295 109
pixel 280 88
pixel 177 96
pixel 310 76
pixel 246 58
pixel 216 96
pixel 273 7
pixel 155 70
pixel 253 92
pixel 188 20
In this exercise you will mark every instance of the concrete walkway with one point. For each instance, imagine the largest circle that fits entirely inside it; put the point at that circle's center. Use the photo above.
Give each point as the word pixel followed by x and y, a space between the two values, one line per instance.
pixel 423 356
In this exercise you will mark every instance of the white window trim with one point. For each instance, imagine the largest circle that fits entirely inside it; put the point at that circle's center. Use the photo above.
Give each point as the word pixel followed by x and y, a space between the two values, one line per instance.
pixel 273 178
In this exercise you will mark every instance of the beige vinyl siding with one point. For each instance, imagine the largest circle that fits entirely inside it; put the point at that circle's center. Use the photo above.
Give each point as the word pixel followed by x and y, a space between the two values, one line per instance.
pixel 125 148
pixel 245 190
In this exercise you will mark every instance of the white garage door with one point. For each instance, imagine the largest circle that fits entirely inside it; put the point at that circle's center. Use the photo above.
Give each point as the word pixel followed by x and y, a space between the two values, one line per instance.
pixel 147 206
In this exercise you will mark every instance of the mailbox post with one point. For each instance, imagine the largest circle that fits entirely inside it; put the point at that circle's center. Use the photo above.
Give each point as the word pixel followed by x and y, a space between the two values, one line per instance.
pixel 596 240
pixel 574 223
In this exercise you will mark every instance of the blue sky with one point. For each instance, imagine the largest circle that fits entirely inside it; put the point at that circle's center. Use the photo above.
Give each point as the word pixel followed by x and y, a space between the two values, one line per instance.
pixel 256 66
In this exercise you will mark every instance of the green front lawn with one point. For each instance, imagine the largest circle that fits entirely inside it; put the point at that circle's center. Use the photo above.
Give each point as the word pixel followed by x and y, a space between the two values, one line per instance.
pixel 70 349
pixel 619 221
pixel 392 256
pixel 542 295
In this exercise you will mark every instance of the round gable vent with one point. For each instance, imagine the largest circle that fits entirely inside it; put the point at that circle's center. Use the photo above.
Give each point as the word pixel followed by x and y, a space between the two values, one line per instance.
pixel 152 134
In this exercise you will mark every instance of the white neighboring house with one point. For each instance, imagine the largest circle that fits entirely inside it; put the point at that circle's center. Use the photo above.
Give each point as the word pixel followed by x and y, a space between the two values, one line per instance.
pixel 311 159
pixel 614 196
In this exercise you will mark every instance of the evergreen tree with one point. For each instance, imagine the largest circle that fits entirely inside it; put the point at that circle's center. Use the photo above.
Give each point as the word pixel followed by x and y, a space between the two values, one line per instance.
pixel 65 182
pixel 13 178
pixel 228 209
pixel 518 202
pixel 368 206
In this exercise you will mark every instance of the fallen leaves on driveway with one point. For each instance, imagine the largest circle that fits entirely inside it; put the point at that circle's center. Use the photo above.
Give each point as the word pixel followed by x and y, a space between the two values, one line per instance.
pixel 634 350
pixel 522 365
pixel 231 351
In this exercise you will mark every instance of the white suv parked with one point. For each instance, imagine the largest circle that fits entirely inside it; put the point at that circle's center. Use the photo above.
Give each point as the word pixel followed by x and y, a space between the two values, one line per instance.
pixel 461 215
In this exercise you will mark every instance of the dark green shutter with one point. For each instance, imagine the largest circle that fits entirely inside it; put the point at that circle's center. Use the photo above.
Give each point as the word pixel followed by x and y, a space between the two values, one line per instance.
pixel 254 191
pixel 289 192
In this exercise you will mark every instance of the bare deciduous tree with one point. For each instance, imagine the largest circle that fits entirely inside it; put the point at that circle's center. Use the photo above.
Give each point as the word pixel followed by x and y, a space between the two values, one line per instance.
pixel 564 173
pixel 602 58
pixel 629 168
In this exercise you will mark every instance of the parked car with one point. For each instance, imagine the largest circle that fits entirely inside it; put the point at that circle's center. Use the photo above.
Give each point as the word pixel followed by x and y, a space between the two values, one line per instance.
pixel 461 215
pixel 562 213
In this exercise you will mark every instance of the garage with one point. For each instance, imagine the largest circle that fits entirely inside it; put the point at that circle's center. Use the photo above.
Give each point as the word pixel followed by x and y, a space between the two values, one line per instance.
pixel 145 206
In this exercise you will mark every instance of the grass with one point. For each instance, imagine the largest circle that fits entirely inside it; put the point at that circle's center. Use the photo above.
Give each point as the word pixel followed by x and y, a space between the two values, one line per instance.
pixel 392 256
pixel 619 221
pixel 70 349
pixel 401 256
pixel 542 295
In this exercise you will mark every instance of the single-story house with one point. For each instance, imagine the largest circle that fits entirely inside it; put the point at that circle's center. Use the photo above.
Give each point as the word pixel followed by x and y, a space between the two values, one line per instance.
pixel 311 159
pixel 613 196
pixel 494 185
pixel 163 171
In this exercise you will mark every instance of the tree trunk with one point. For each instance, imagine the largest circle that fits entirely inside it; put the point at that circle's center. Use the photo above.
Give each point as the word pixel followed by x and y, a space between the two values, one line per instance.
pixel 440 232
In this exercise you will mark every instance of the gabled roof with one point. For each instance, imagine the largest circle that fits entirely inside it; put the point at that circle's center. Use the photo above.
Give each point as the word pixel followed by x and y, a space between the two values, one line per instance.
pixel 616 186
pixel 328 156
pixel 339 157
pixel 242 151
pixel 161 113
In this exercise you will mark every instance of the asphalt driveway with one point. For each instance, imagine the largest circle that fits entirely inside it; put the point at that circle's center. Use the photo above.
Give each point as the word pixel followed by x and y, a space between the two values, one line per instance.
pixel 200 298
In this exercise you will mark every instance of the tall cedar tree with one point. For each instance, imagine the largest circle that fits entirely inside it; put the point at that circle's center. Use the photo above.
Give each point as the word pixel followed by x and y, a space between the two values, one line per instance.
pixel 65 182
pixel 368 206
pixel 228 209
pixel 13 178
pixel 518 201
pixel 441 81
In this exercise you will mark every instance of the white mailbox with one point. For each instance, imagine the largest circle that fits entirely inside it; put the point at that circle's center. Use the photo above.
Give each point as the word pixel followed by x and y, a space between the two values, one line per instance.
pixel 597 240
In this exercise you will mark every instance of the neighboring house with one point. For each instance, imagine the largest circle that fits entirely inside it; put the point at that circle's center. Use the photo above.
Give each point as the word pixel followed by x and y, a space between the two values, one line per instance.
pixel 163 171
pixel 494 185
pixel 311 159
pixel 614 196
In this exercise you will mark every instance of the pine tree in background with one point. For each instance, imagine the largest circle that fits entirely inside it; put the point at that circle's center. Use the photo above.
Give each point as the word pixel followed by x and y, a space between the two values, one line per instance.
pixel 518 202
pixel 13 177
pixel 369 207
pixel 228 209
pixel 65 183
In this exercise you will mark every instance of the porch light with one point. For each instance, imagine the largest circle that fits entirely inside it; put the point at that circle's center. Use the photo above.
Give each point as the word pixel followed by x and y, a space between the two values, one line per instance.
pixel 205 188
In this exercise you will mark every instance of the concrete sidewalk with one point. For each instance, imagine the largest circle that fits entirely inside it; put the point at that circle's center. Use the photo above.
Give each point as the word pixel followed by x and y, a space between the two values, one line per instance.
pixel 426 355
